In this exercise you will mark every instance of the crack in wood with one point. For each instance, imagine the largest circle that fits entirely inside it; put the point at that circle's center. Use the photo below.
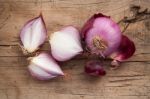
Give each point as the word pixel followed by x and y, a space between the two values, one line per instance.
pixel 123 80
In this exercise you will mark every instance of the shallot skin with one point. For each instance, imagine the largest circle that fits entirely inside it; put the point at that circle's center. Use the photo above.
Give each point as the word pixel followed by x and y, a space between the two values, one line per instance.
pixel 125 50
pixel 89 24
pixel 101 34
pixel 94 68
pixel 33 34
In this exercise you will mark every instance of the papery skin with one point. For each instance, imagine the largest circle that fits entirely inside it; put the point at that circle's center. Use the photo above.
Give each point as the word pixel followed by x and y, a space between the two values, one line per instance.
pixel 65 44
pixel 89 24
pixel 94 68
pixel 125 50
pixel 107 30
pixel 33 34
pixel 44 67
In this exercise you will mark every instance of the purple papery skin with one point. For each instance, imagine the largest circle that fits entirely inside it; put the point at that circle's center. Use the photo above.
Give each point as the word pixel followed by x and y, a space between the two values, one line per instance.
pixel 89 24
pixel 106 29
pixel 94 68
pixel 29 37
pixel 125 50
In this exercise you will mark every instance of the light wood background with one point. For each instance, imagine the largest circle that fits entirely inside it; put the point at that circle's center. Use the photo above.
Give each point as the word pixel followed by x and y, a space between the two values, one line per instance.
pixel 130 81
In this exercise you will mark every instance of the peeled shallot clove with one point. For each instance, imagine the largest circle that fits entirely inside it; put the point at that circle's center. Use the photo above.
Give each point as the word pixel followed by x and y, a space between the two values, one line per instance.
pixel 44 67
pixel 33 34
pixel 65 44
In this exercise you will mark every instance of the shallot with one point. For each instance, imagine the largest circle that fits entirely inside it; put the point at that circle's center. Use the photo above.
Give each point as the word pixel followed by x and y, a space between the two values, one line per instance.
pixel 65 44
pixel 101 34
pixel 33 34
pixel 44 67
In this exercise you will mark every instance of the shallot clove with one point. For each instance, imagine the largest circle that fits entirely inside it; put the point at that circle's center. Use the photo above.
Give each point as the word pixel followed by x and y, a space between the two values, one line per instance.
pixel 101 34
pixel 65 44
pixel 125 50
pixel 44 67
pixel 33 34
pixel 94 68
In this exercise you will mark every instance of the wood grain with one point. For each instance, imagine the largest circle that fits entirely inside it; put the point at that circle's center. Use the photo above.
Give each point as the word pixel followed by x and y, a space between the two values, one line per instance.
pixel 130 81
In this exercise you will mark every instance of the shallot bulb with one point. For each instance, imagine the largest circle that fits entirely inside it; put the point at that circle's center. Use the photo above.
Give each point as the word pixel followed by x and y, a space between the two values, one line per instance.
pixel 101 34
pixel 44 67
pixel 33 34
pixel 94 68
pixel 65 44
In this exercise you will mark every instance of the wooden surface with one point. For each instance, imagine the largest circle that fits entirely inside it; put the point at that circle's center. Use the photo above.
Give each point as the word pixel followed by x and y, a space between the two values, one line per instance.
pixel 131 81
